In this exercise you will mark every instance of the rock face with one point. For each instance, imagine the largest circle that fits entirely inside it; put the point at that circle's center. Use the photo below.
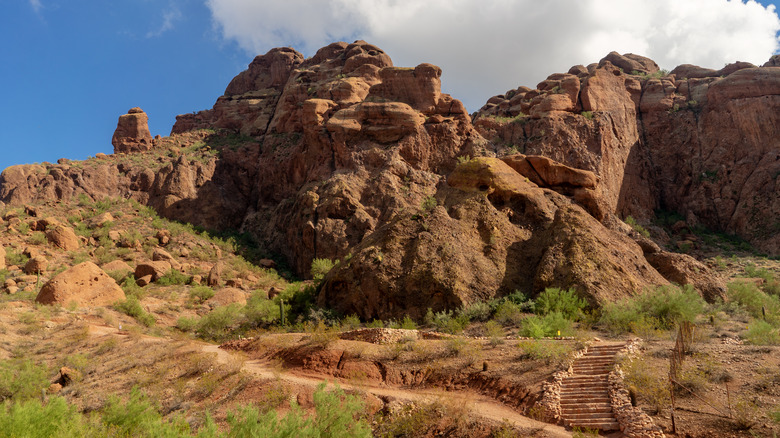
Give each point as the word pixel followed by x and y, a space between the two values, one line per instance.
pixel 347 157
pixel 700 142
pixel 132 132
pixel 86 284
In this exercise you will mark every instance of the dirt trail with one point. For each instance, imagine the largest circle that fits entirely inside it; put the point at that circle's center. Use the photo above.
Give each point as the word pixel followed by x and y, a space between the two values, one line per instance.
pixel 478 404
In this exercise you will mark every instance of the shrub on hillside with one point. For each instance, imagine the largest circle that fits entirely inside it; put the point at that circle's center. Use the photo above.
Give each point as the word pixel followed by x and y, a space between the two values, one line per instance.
pixel 217 324
pixel 261 311
pixel 21 379
pixel 173 277
pixel 565 302
pixel 755 301
pixel 320 267
pixel 663 308
pixel 762 333
pixel 132 307
pixel 551 324
pixel 201 293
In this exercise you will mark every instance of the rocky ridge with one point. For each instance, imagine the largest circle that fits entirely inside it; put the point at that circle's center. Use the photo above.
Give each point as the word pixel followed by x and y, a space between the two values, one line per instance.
pixel 347 157
pixel 696 141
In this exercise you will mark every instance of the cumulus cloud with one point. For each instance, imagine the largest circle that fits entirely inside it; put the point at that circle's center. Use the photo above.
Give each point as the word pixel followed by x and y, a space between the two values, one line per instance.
pixel 169 17
pixel 488 47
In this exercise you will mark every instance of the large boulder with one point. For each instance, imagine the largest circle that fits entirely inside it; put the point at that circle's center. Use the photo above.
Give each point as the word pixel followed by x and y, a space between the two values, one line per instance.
pixel 132 132
pixel 63 237
pixel 155 269
pixel 85 284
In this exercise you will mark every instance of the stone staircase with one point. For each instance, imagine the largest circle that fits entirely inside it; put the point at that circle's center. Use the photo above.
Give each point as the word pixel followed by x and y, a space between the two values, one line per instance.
pixel 585 401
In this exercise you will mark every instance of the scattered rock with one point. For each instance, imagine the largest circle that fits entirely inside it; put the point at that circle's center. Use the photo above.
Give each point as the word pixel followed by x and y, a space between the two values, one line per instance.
pixel 85 284
pixel 36 265
pixel 155 269
pixel 163 237
pixel 215 275
pixel 144 281
pixel 64 237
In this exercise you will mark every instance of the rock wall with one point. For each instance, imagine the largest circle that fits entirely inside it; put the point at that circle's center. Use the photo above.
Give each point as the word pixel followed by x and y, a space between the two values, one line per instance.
pixel 700 142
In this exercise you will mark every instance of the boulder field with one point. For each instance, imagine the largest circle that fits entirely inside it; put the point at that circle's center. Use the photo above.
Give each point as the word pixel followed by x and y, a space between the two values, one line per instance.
pixel 346 157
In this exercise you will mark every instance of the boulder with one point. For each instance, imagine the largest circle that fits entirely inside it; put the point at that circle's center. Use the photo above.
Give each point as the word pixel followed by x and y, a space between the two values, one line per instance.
pixel 35 265
pixel 85 284
pixel 226 296
pixel 215 275
pixel 63 237
pixel 2 257
pixel 156 269
pixel 117 266
pixel 132 132
pixel 160 254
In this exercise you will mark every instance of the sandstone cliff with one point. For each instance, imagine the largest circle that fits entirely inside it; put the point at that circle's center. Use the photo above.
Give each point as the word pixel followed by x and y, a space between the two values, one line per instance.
pixel 700 142
pixel 347 157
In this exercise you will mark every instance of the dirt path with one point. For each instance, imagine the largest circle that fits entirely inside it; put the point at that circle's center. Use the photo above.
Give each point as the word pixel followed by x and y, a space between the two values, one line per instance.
pixel 478 404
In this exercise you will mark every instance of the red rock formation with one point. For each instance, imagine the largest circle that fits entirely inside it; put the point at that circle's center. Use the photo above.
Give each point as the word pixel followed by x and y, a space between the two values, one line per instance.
pixel 132 132
pixel 698 141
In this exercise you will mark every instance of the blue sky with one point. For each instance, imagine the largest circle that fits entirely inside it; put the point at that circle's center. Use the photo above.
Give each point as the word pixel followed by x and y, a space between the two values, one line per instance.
pixel 71 67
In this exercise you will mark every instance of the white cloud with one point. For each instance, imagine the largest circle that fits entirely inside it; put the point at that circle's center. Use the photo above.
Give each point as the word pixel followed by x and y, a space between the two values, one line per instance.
pixel 36 5
pixel 490 46
pixel 170 16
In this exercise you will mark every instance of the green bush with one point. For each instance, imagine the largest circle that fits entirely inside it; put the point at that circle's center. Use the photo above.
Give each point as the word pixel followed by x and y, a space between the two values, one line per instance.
pixel 132 307
pixel 186 324
pixel 31 419
pixel 508 313
pixel 663 308
pixel 477 311
pixel 138 417
pixel 630 221
pixel 408 323
pixel 565 302
pixel 551 324
pixel 320 268
pixel 444 321
pixel 217 324
pixel 21 379
pixel 350 322
pixel 755 302
pixel 15 258
pixel 336 415
pixel 762 333
pixel 201 293
pixel 261 311
pixel 551 352
pixel 173 277
pixel 132 289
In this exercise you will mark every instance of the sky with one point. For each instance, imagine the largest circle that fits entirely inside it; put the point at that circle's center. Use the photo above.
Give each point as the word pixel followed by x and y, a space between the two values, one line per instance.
pixel 70 68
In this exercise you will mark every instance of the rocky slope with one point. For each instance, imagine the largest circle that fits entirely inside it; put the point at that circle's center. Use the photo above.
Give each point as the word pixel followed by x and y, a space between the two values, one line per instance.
pixel 346 157
pixel 700 142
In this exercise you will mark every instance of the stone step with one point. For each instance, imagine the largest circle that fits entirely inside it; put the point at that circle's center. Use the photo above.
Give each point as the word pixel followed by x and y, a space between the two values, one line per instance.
pixel 577 401
pixel 569 412
pixel 582 393
pixel 603 425
pixel 575 385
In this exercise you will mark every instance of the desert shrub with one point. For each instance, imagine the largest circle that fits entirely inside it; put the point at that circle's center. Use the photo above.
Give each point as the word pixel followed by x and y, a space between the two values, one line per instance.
pixel 320 268
pixel 408 323
pixel 508 313
pixel 663 307
pixel 771 284
pixel 217 324
pixel 477 311
pixel 444 321
pixel 630 221
pixel 31 419
pixel 261 311
pixel 13 257
pixel 119 276
pixel 650 383
pixel 762 333
pixel 201 293
pixel 744 414
pixel 551 352
pixel 139 417
pixel 186 324
pixel 550 324
pixel 37 238
pixel 21 379
pixel 132 289
pixel 299 300
pixel 753 300
pixel 375 323
pixel 350 322
pixel 336 415
pixel 565 302
pixel 172 277
pixel 495 332
pixel 132 307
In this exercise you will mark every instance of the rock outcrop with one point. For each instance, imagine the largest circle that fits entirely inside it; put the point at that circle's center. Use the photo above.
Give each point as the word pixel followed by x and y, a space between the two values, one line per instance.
pixel 132 132
pixel 347 157
pixel 85 284
pixel 699 142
